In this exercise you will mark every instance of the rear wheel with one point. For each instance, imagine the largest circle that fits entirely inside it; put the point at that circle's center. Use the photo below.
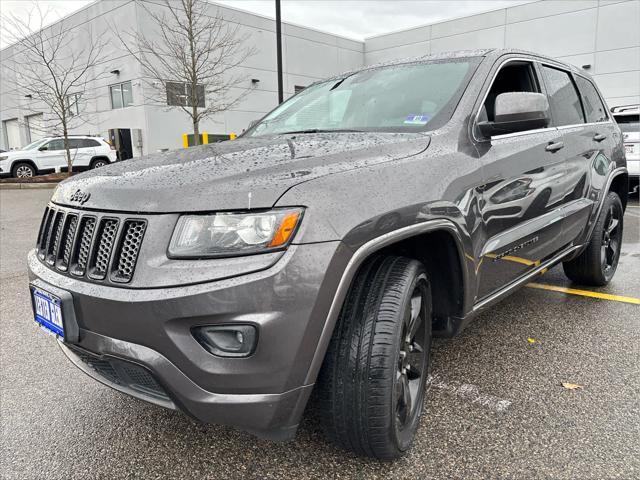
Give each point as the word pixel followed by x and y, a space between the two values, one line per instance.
pixel 98 162
pixel 23 170
pixel 597 264
pixel 371 387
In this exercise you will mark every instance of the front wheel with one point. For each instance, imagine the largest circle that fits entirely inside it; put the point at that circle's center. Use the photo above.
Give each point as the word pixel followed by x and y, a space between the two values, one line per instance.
pixel 372 384
pixel 597 264
pixel 23 170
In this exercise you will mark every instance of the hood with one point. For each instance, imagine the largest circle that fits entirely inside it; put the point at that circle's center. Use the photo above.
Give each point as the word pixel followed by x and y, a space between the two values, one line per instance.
pixel 239 174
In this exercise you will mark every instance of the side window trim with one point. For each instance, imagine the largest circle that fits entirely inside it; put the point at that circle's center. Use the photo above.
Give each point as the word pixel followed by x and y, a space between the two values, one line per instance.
pixel 595 88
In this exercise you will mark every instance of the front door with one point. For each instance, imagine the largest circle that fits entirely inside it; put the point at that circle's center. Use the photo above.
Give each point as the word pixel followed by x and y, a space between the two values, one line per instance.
pixel 52 155
pixel 522 191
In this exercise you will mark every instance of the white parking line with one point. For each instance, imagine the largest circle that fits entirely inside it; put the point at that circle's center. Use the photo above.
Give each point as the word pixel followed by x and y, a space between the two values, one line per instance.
pixel 468 392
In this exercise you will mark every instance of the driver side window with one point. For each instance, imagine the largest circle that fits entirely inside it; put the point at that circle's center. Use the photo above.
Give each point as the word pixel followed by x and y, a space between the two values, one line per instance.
pixel 517 76
pixel 57 144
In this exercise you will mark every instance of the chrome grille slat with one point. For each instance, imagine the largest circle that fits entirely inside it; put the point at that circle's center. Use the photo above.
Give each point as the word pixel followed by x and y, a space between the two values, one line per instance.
pixel 99 247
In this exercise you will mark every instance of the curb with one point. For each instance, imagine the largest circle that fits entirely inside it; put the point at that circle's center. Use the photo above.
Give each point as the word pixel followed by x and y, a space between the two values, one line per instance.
pixel 20 186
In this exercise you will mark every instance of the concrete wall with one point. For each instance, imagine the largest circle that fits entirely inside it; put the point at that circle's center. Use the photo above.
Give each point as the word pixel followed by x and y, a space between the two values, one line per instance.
pixel 308 55
pixel 602 33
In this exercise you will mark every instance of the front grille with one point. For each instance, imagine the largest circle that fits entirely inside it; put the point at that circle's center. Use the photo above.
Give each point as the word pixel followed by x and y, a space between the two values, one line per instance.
pixel 97 247
pixel 125 374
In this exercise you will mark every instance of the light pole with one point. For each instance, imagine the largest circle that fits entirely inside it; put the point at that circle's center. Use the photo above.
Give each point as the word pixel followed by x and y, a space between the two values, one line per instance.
pixel 279 52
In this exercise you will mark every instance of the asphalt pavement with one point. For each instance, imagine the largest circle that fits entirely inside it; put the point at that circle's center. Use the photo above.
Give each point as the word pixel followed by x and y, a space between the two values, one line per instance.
pixel 496 407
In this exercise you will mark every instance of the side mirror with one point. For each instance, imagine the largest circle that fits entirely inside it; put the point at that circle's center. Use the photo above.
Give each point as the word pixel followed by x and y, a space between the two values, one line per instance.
pixel 43 148
pixel 517 112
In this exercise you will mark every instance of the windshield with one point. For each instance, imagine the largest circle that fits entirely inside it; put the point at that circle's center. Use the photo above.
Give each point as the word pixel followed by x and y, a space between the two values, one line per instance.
pixel 628 123
pixel 34 145
pixel 398 98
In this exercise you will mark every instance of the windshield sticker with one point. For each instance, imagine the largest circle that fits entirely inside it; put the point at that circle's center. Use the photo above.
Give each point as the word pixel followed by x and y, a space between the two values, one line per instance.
pixel 417 119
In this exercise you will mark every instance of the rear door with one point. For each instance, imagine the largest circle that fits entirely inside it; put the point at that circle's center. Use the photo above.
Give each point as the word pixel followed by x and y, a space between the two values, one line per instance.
pixel 522 190
pixel 588 135
pixel 85 152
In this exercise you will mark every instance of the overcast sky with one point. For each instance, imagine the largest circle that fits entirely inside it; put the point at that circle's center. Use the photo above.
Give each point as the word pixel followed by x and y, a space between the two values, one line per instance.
pixel 352 18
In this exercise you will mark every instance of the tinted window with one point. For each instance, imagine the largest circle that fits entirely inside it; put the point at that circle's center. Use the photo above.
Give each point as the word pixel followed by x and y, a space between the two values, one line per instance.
pixel 565 103
pixel 87 142
pixel 75 143
pixel 628 123
pixel 593 106
pixel 410 97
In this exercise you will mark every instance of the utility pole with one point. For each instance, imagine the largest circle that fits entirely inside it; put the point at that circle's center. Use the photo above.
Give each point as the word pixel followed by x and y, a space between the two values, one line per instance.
pixel 279 52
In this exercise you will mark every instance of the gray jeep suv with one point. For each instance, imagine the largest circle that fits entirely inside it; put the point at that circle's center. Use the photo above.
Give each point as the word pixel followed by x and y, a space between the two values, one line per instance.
pixel 323 249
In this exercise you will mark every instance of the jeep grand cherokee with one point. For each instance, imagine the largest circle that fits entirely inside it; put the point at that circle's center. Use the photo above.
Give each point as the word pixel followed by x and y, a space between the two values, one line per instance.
pixel 324 248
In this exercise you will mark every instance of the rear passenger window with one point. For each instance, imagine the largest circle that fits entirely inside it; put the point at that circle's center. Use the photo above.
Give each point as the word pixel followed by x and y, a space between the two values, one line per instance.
pixel 89 143
pixel 593 106
pixel 75 143
pixel 563 98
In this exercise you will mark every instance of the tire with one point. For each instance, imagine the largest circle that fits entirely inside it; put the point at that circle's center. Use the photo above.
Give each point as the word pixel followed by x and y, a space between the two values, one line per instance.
pixel 371 386
pixel 98 162
pixel 597 264
pixel 23 170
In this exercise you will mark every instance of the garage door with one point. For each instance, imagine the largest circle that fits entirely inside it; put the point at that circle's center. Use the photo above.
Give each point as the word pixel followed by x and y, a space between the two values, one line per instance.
pixel 12 130
pixel 35 127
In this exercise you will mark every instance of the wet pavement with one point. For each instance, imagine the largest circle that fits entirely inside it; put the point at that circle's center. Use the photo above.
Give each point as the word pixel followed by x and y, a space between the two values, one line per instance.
pixel 495 409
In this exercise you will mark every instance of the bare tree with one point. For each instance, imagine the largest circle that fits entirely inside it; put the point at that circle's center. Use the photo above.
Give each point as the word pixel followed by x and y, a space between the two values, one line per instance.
pixel 54 65
pixel 190 59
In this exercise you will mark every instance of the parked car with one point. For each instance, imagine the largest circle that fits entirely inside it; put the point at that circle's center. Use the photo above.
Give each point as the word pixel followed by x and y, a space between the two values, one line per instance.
pixel 324 248
pixel 48 155
pixel 628 117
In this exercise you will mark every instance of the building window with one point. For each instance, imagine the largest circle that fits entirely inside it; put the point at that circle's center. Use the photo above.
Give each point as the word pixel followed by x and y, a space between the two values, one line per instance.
pixel 72 104
pixel 179 94
pixel 298 88
pixel 121 95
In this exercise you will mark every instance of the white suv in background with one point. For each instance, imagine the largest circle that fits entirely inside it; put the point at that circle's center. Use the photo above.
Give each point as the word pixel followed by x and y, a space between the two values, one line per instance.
pixel 628 117
pixel 48 155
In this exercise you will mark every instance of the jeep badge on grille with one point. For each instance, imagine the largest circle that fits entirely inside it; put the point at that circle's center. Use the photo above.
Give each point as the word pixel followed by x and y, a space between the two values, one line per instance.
pixel 79 196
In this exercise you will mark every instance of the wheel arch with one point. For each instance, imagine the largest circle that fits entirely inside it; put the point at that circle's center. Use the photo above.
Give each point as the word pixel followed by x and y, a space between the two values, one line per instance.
pixel 444 237
pixel 620 185
pixel 23 160
pixel 99 157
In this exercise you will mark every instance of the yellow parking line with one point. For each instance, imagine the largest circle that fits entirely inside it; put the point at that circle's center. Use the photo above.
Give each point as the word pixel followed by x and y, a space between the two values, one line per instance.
pixel 585 293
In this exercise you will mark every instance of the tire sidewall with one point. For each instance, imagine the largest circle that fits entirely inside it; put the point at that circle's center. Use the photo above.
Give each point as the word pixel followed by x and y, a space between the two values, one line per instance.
pixel 612 199
pixel 403 440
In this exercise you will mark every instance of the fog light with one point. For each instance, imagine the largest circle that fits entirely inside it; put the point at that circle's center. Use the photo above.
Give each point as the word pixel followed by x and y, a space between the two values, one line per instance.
pixel 227 340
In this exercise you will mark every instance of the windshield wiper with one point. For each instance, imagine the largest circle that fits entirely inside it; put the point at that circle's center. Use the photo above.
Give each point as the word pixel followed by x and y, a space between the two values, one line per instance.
pixel 320 130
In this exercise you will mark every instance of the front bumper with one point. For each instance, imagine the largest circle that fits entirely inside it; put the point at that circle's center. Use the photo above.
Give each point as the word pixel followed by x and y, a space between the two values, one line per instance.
pixel 265 393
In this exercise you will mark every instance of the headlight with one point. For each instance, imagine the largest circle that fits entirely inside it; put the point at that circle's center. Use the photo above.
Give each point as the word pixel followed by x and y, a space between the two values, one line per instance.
pixel 232 234
pixel 3 157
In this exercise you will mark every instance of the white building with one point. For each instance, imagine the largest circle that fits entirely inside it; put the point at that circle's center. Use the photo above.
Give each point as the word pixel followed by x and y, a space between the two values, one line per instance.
pixel 602 36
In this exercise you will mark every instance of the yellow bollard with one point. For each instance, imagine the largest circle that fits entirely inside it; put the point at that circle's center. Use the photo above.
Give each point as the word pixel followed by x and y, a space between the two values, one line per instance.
pixel 205 138
pixel 232 136
pixel 185 140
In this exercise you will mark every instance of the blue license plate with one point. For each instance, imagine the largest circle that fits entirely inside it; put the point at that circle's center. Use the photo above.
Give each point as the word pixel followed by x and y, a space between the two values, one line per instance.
pixel 47 309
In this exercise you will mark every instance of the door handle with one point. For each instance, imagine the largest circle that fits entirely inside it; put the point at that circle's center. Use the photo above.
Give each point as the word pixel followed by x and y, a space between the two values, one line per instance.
pixel 554 147
pixel 598 137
